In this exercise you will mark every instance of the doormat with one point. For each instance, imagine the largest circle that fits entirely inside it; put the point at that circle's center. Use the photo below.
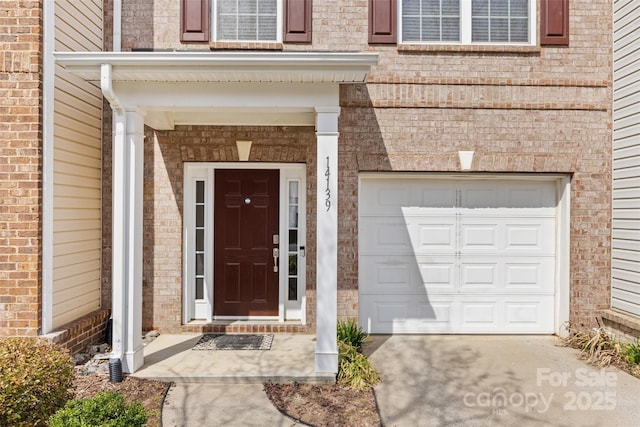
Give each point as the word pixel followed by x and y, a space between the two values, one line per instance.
pixel 234 342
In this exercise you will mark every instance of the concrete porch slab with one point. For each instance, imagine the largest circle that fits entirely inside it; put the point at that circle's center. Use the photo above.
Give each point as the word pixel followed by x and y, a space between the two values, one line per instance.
pixel 291 358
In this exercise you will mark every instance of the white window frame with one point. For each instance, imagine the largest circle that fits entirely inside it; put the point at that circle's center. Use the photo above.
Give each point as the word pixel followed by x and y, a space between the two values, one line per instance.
pixel 213 25
pixel 465 27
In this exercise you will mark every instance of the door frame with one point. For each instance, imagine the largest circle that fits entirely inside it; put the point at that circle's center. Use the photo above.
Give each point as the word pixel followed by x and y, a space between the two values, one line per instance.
pixel 202 309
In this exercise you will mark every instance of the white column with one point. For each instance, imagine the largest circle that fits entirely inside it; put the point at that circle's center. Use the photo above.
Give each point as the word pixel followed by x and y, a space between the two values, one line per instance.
pixel 128 153
pixel 327 240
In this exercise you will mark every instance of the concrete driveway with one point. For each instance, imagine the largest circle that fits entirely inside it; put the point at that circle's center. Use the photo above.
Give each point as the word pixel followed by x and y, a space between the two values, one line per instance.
pixel 435 380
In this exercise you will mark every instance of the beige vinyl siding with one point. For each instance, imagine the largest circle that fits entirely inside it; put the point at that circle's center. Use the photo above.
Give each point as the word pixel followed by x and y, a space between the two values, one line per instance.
pixel 77 187
pixel 625 288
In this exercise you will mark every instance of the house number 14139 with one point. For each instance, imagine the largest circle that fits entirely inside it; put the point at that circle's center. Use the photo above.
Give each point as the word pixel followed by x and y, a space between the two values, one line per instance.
pixel 327 192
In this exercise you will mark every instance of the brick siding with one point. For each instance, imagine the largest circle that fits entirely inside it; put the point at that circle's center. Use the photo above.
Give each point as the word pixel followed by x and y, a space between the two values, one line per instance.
pixel 522 109
pixel 20 167
pixel 79 334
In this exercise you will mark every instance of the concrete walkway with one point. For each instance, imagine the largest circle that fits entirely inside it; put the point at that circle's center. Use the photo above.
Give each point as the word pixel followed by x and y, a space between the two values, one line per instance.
pixel 291 358
pixel 199 405
pixel 436 380
pixel 427 380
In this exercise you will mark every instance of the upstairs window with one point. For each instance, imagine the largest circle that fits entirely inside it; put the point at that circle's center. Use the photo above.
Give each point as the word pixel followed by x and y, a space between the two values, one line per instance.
pixel 431 20
pixel 246 20
pixel 271 21
pixel 500 21
pixel 467 21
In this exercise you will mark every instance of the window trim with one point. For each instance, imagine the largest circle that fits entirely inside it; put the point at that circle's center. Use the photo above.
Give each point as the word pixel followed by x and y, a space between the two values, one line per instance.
pixel 466 30
pixel 213 25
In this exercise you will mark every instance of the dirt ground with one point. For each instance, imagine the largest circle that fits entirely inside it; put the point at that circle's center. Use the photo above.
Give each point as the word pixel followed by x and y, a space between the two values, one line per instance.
pixel 313 404
pixel 325 404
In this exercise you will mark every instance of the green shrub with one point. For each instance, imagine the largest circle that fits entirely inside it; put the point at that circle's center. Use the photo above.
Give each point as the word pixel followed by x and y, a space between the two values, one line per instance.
pixel 354 369
pixel 35 378
pixel 105 409
pixel 350 333
pixel 632 353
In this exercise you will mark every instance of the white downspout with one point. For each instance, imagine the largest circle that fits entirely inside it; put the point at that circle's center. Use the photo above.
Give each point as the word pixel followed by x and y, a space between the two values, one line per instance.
pixel 118 124
pixel 106 84
pixel 117 25
pixel 118 302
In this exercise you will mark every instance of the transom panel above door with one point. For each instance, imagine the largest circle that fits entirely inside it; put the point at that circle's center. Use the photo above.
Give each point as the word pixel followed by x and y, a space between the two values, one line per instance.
pixel 244 245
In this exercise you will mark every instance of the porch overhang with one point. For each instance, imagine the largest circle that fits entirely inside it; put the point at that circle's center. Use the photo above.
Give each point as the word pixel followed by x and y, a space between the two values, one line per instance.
pixel 223 88
pixel 165 89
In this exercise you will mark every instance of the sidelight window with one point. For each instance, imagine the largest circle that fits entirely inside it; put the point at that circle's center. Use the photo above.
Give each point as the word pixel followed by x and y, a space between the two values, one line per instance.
pixel 293 248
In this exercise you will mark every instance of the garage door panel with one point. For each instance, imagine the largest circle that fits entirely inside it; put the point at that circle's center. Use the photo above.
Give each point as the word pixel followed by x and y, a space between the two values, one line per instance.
pixel 457 256
pixel 527 275
pixel 435 236
pixel 393 275
pixel 480 236
pixel 390 197
pixel 513 235
pixel 508 274
pixel 438 275
pixel 507 194
pixel 406 314
pixel 521 195
pixel 442 314
pixel 479 276
pixel 386 236
pixel 407 236
pixel 479 314
pixel 523 313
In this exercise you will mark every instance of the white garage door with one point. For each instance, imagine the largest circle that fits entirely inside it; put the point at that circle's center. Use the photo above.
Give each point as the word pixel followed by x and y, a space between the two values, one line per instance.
pixel 456 256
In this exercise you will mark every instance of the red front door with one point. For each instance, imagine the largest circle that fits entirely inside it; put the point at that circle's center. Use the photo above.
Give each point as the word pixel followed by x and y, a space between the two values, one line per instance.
pixel 246 220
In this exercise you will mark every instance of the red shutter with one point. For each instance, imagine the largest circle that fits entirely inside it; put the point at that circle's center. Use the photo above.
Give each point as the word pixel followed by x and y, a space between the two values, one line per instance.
pixel 382 21
pixel 297 21
pixel 554 22
pixel 194 20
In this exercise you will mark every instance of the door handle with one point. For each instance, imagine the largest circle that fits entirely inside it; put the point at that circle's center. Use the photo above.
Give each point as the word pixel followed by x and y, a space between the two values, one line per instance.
pixel 276 255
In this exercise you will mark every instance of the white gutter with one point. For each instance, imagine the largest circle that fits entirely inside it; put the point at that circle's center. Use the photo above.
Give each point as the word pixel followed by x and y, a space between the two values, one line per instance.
pixel 182 58
pixel 260 67
pixel 117 25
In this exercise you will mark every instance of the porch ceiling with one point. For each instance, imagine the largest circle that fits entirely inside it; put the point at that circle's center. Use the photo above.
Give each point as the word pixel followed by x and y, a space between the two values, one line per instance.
pixel 228 88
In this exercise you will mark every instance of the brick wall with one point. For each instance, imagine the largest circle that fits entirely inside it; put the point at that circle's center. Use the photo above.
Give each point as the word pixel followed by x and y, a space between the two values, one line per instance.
pixel 76 336
pixel 20 166
pixel 526 110
pixel 165 155
pixel 522 141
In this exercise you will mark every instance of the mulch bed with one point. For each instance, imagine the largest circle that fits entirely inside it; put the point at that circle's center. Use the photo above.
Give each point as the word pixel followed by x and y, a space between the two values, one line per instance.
pixel 150 393
pixel 325 404
pixel 311 404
